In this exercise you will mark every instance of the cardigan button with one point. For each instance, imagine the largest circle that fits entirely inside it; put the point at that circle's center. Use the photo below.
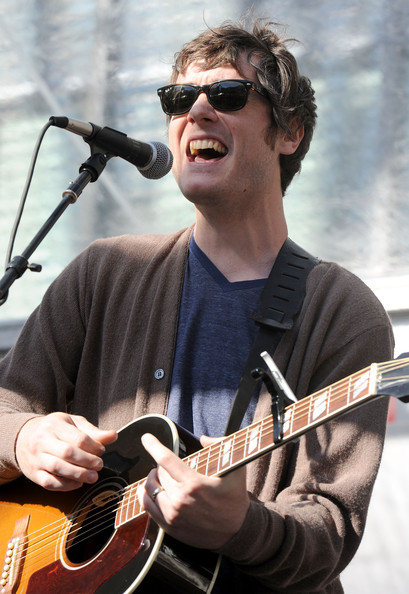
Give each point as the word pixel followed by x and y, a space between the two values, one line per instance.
pixel 159 374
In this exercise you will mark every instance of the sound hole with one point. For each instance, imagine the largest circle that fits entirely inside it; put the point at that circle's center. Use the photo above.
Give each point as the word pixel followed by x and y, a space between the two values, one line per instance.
pixel 93 523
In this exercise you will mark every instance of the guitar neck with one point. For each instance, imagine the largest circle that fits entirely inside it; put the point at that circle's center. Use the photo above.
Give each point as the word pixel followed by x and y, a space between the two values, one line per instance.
pixel 391 377
pixel 257 439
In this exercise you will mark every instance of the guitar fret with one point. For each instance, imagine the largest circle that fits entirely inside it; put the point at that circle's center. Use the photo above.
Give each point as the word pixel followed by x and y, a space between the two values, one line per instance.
pixel 288 421
pixel 300 419
pixel 335 398
pixel 206 472
pixel 226 449
pixel 239 450
pixel 122 514
pixel 349 389
pixel 128 503
pixel 329 400
pixel 253 441
pixel 193 462
pixel 343 394
pixel 310 399
pixel 131 503
pixel 266 434
pixel 136 507
pixel 320 405
pixel 213 460
pixel 361 386
pixel 122 510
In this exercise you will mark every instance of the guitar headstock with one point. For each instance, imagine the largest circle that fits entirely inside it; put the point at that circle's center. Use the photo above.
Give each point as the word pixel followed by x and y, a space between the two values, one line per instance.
pixel 393 378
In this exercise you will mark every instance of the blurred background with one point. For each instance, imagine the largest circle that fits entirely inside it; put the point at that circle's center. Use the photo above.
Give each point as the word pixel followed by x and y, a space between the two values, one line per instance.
pixel 102 61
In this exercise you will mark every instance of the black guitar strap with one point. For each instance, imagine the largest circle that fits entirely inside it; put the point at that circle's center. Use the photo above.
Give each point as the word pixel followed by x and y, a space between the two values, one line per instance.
pixel 280 301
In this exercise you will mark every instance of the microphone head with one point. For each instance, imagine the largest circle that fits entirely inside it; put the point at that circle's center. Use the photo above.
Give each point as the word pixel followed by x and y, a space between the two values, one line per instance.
pixel 161 162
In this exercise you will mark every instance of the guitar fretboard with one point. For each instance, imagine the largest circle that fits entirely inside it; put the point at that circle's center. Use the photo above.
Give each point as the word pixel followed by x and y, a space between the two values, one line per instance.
pixel 257 439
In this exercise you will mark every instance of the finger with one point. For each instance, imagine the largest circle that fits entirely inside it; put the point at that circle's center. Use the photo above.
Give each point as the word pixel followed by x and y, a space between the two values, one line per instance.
pixel 102 436
pixel 53 474
pixel 205 440
pixel 156 492
pixel 74 430
pixel 164 457
pixel 75 456
pixel 153 488
pixel 53 482
pixel 53 470
pixel 60 449
pixel 81 470
pixel 50 482
pixel 85 435
pixel 148 493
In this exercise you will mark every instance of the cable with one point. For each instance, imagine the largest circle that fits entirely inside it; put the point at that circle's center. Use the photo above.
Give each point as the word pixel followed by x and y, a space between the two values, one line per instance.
pixel 24 194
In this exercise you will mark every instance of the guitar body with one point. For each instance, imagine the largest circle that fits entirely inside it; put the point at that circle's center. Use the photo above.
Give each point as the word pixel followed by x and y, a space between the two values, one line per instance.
pixel 68 542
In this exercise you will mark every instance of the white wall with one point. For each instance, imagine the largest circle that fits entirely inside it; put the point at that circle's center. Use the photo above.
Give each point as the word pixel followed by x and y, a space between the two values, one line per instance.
pixel 393 292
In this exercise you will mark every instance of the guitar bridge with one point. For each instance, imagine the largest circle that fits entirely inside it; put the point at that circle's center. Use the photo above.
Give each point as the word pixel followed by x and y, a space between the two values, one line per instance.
pixel 14 559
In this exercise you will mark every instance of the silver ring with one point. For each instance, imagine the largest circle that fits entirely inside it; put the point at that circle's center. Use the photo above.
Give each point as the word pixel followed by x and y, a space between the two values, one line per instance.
pixel 156 492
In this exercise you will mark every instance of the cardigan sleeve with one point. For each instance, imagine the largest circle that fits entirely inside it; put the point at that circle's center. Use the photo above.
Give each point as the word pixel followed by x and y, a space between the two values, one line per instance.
pixel 38 374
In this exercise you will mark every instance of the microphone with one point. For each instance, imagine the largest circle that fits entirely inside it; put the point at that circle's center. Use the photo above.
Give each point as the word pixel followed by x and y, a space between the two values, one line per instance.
pixel 153 159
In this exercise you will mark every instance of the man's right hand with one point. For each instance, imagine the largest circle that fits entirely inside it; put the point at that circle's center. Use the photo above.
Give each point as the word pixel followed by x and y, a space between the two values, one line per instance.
pixel 61 452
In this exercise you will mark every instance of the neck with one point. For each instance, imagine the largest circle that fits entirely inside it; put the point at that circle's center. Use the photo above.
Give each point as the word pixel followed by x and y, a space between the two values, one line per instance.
pixel 243 249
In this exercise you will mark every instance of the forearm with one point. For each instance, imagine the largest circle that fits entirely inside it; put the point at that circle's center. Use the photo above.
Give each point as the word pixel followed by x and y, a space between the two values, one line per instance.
pixel 305 537
pixel 10 426
pixel 37 375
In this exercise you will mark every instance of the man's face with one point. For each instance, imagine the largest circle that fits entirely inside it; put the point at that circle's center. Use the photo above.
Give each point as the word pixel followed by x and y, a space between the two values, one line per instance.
pixel 241 164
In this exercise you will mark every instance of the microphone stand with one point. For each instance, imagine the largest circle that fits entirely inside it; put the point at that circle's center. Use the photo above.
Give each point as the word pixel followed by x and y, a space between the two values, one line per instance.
pixel 89 172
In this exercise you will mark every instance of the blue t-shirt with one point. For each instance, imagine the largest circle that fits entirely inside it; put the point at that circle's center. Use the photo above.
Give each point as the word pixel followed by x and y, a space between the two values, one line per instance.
pixel 215 334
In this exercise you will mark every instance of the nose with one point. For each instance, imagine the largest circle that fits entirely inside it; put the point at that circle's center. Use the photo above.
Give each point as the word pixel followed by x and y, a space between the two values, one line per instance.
pixel 201 109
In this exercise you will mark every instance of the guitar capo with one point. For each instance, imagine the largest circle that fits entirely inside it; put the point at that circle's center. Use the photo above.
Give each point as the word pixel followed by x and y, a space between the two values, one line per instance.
pixel 280 391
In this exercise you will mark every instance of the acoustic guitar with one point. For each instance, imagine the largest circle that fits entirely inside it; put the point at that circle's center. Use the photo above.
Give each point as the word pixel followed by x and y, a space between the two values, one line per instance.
pixel 99 540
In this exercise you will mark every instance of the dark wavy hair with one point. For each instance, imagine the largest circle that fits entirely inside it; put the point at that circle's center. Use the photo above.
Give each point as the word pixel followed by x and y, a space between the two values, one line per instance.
pixel 290 94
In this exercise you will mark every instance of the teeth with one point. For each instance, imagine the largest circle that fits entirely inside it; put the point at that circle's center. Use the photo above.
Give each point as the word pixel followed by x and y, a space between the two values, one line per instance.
pixel 200 145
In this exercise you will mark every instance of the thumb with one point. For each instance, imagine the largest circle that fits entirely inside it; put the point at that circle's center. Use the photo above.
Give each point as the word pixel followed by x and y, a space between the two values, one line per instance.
pixel 103 436
pixel 205 440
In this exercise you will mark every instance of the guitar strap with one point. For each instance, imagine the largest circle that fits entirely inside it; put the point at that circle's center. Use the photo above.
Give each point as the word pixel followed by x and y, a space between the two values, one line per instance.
pixel 280 300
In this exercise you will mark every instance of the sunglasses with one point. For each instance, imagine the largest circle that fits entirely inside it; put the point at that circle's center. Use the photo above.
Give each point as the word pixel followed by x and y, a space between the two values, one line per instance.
pixel 223 95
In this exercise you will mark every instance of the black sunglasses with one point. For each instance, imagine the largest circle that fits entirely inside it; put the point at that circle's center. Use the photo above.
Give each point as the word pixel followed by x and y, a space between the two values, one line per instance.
pixel 224 95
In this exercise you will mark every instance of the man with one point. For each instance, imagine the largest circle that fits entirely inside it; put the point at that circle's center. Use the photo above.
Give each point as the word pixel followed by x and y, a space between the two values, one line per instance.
pixel 162 324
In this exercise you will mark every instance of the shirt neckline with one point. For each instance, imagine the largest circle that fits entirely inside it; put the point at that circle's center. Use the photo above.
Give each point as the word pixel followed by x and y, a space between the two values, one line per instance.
pixel 217 276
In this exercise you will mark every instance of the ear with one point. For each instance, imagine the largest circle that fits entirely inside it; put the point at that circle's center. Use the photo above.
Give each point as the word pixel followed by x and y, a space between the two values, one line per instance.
pixel 288 143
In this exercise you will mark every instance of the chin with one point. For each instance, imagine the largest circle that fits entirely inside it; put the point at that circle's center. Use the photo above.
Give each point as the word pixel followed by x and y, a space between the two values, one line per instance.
pixel 200 193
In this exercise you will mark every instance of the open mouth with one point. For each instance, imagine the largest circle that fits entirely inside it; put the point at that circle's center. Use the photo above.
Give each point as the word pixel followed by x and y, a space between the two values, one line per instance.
pixel 207 149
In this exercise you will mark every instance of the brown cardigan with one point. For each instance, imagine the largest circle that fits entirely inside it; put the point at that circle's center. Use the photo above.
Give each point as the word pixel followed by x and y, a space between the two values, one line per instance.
pixel 109 321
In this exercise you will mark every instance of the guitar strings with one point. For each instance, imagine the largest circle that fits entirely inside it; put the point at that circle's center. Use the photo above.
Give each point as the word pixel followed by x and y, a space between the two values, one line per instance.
pixel 56 529
pixel 36 544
